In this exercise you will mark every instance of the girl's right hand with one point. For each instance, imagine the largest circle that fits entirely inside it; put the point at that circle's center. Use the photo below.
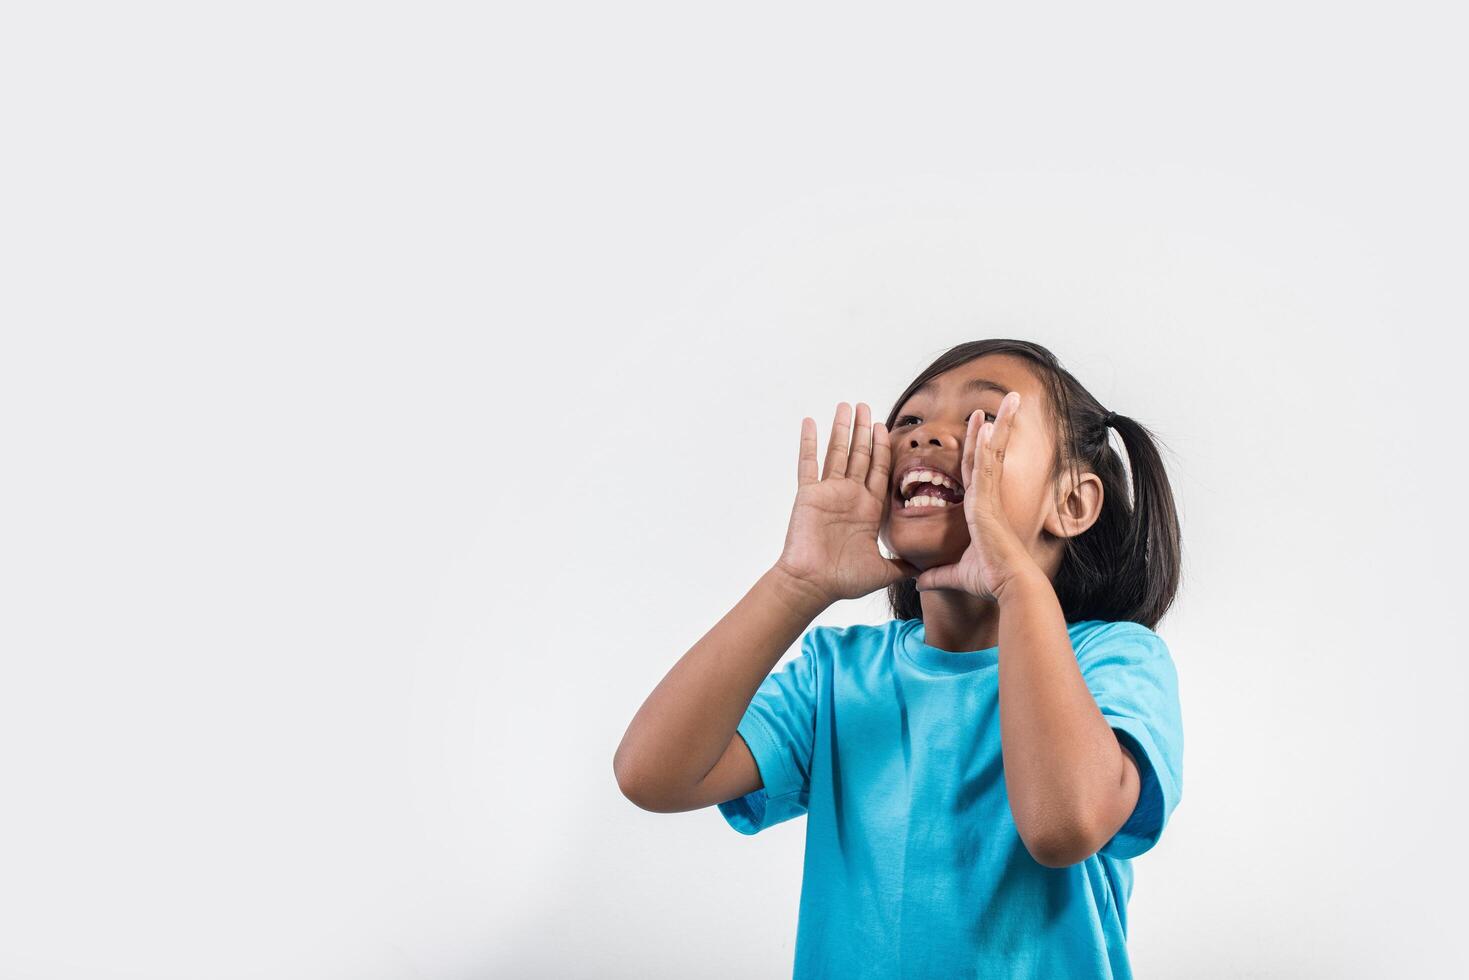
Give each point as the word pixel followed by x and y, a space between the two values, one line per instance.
pixel 831 544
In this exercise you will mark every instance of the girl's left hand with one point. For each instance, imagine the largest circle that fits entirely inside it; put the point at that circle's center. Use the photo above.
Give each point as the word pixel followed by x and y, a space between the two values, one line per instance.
pixel 996 555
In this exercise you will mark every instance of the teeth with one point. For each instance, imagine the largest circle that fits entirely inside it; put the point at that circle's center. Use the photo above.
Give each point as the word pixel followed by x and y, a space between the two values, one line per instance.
pixel 926 476
pixel 925 501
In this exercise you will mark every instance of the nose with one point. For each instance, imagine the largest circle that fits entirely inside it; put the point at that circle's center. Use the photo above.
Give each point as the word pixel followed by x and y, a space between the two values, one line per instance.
pixel 935 439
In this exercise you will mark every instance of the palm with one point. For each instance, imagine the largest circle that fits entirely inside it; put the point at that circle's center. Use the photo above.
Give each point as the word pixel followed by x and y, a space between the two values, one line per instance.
pixel 832 539
pixel 973 572
pixel 834 525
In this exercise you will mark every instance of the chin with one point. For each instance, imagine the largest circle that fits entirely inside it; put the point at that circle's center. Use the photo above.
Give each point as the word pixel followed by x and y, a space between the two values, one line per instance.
pixel 924 547
pixel 925 557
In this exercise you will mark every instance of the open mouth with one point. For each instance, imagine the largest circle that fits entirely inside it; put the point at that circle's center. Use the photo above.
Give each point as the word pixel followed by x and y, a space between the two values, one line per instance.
pixel 925 491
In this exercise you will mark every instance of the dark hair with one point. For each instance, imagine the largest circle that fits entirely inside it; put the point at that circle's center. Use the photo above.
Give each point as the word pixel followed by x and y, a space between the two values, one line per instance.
pixel 1126 566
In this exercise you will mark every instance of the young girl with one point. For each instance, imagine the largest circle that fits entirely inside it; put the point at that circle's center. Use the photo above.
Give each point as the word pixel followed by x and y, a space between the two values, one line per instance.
pixel 978 772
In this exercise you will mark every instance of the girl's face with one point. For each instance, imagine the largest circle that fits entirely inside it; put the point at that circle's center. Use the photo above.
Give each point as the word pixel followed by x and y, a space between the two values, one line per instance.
pixel 928 431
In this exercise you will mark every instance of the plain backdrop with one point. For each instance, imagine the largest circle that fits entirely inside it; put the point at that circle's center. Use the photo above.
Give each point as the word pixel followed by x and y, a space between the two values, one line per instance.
pixel 391 393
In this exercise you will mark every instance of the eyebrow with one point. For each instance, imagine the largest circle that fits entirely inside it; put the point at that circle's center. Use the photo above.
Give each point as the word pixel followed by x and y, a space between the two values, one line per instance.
pixel 973 384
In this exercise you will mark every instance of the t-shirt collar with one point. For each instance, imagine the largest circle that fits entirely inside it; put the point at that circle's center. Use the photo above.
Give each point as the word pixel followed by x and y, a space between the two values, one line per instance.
pixel 910 642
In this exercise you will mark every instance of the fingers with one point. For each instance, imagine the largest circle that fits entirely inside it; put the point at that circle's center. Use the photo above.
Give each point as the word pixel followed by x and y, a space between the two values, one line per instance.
pixel 967 471
pixel 997 434
pixel 836 447
pixel 849 452
pixel 994 437
pixel 882 462
pixel 806 466
pixel 861 459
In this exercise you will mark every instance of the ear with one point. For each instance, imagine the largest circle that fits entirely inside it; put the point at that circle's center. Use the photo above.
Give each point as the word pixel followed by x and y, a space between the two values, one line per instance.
pixel 1079 506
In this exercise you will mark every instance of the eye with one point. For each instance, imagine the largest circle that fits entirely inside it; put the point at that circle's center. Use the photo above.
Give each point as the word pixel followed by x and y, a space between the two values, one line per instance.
pixel 899 422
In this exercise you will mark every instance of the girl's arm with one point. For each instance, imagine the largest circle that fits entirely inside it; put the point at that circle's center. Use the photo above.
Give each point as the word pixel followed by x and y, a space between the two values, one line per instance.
pixel 682 750
pixel 1071 783
pixel 679 752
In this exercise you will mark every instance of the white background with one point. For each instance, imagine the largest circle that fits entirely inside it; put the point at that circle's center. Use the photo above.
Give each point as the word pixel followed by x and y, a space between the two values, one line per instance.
pixel 391 393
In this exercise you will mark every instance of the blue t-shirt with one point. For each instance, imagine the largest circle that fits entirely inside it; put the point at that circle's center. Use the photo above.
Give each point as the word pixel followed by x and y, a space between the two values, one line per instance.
pixel 914 868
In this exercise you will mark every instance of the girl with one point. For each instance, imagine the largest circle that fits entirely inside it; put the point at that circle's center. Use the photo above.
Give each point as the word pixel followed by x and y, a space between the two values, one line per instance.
pixel 979 771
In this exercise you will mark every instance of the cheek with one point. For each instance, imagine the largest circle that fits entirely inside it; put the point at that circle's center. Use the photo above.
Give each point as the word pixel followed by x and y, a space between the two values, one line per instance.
pixel 1022 493
pixel 1020 478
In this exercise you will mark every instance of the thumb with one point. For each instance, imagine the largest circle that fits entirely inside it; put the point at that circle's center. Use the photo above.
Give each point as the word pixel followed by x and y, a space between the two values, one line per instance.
pixel 940 577
pixel 903 569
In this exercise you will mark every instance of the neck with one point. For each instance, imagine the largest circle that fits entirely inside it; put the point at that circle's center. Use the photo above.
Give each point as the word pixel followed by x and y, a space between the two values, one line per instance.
pixel 959 622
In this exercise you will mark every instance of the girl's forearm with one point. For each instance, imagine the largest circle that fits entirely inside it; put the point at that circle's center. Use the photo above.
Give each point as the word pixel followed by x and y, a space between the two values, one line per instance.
pixel 687 722
pixel 1069 783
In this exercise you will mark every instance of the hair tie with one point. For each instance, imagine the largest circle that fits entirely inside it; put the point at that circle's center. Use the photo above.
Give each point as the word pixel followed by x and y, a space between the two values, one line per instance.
pixel 1109 419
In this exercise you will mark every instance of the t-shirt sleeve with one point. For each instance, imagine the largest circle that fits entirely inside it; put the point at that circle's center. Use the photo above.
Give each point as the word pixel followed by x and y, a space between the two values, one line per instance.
pixel 779 726
pixel 1131 674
